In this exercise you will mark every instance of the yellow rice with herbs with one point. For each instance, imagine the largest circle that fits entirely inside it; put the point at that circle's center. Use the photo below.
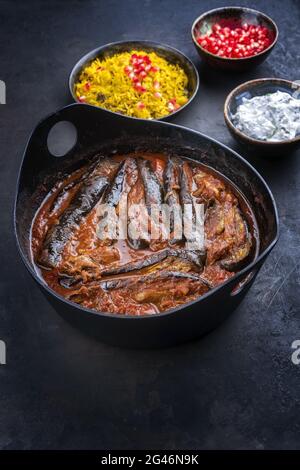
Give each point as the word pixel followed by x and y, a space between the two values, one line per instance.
pixel 136 83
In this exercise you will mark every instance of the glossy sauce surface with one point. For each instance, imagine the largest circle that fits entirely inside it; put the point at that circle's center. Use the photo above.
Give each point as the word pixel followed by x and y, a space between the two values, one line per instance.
pixel 144 276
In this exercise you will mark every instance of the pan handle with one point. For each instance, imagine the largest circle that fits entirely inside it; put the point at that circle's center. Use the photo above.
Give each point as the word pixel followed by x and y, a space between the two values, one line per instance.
pixel 56 135
pixel 79 118
pixel 242 280
pixel 243 283
pixel 62 138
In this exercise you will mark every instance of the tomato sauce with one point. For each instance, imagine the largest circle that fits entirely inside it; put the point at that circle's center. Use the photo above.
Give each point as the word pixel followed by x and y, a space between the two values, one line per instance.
pixel 114 276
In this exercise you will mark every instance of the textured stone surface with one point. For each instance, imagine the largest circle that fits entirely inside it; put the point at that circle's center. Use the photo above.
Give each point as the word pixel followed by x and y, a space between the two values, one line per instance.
pixel 235 388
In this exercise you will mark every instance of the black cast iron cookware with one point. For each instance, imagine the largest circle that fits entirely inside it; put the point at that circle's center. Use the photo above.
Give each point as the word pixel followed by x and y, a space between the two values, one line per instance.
pixel 96 130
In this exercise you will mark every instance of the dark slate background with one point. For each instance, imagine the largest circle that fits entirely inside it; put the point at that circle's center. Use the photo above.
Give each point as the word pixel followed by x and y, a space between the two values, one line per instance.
pixel 235 388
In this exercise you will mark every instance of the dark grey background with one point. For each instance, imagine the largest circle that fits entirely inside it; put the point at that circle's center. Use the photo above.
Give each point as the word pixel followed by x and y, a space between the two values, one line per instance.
pixel 235 388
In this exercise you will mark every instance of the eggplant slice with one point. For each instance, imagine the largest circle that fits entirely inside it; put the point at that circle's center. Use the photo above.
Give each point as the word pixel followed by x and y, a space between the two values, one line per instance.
pixel 160 288
pixel 137 235
pixel 172 195
pixel 86 198
pixel 153 188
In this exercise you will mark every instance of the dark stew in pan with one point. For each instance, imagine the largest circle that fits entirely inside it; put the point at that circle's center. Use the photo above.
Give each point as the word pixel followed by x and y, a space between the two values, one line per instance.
pixel 146 264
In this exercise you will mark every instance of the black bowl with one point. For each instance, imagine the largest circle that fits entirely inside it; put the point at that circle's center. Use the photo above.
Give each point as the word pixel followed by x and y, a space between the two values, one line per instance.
pixel 169 53
pixel 250 89
pixel 204 22
pixel 107 132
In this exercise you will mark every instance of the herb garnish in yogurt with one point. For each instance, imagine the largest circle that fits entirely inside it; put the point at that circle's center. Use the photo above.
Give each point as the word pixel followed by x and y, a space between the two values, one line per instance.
pixel 273 117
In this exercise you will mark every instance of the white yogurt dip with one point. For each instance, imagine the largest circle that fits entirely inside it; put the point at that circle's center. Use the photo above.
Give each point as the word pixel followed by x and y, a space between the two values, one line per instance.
pixel 273 117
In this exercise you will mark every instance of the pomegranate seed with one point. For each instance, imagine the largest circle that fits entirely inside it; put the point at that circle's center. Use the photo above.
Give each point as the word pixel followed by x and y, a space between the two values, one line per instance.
pixel 202 42
pixel 140 88
pixel 157 94
pixel 82 99
pixel 233 40
pixel 147 59
pixel 140 105
pixel 87 86
pixel 128 69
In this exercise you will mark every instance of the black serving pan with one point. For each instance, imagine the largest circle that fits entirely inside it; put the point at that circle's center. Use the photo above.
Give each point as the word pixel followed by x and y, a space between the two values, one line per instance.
pixel 99 129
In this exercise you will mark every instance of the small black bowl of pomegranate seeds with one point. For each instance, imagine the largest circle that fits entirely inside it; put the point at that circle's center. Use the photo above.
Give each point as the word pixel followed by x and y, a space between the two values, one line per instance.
pixel 234 38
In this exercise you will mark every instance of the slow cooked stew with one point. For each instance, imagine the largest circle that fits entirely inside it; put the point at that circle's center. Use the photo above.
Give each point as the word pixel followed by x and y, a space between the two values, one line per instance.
pixel 139 275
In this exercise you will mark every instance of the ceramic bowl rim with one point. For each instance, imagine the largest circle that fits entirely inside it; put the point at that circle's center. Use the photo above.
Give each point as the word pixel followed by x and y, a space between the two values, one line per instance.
pixel 242 135
pixel 244 9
